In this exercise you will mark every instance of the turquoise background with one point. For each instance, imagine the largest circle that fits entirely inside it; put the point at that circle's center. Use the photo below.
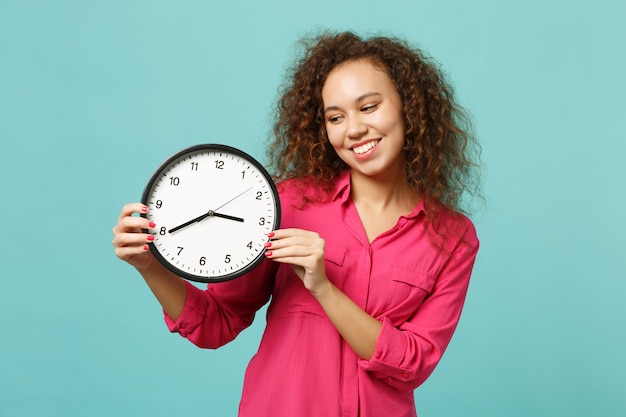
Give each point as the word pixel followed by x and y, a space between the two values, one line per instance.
pixel 94 95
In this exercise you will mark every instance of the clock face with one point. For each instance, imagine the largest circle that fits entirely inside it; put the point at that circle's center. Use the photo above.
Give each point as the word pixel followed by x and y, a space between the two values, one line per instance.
pixel 213 206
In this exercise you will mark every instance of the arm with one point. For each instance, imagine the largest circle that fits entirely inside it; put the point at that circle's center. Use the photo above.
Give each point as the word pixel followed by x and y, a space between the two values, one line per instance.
pixel 408 352
pixel 208 318
pixel 304 250
pixel 404 354
pixel 131 245
pixel 215 316
pixel 358 328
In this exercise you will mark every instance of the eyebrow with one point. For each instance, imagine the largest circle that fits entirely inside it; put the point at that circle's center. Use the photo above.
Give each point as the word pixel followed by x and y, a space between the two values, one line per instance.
pixel 358 100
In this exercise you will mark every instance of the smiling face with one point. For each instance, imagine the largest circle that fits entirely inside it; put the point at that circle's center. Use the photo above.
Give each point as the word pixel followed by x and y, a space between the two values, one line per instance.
pixel 364 119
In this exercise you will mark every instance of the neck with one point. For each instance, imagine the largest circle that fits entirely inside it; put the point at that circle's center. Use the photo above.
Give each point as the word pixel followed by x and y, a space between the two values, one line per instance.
pixel 381 193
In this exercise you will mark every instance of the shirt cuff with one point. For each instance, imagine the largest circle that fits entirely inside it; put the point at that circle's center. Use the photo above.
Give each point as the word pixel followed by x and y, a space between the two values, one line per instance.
pixel 389 355
pixel 193 312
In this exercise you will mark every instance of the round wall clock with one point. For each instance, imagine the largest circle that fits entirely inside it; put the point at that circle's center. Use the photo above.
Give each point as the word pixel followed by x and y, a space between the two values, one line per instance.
pixel 213 206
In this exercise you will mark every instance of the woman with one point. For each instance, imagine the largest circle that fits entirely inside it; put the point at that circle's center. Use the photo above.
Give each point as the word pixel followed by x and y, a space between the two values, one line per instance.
pixel 368 273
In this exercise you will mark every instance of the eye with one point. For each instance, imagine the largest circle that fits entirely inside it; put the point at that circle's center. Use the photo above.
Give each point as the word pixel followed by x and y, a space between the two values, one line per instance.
pixel 335 119
pixel 368 108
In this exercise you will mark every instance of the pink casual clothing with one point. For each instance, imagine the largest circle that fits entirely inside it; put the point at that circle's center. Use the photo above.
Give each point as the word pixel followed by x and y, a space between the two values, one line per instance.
pixel 303 367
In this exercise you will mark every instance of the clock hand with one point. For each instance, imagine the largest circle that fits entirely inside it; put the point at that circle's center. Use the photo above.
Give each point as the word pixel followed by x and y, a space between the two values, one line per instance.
pixel 211 213
pixel 226 216
pixel 204 216
pixel 233 199
pixel 197 219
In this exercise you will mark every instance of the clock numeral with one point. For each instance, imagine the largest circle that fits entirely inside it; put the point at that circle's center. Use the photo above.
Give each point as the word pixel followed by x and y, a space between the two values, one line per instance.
pixel 159 203
pixel 202 261
pixel 249 245
pixel 174 181
pixel 180 249
pixel 262 221
pixel 259 195
pixel 243 174
pixel 227 259
pixel 194 166
pixel 219 164
pixel 162 231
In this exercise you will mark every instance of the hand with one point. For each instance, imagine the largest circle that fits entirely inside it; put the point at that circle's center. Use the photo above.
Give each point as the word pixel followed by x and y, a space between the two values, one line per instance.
pixel 131 244
pixel 304 251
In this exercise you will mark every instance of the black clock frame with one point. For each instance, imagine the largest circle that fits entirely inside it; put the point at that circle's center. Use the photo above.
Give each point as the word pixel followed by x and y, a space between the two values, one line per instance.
pixel 219 148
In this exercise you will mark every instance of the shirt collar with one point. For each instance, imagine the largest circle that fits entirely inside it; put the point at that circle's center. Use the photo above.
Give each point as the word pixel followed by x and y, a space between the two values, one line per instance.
pixel 342 187
pixel 342 192
pixel 419 208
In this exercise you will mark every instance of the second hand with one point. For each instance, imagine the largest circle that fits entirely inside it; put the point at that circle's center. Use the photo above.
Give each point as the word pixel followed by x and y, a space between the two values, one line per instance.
pixel 211 213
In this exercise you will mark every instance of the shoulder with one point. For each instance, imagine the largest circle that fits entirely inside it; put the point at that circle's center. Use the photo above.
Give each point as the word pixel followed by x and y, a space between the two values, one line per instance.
pixel 290 186
pixel 292 191
pixel 300 192
pixel 464 225
pixel 455 228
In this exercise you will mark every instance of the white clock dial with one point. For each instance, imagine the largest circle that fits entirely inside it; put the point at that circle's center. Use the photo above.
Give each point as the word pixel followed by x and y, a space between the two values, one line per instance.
pixel 213 206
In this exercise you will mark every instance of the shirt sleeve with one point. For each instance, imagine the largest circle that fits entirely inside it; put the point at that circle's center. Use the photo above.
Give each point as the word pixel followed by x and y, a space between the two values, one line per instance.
pixel 406 355
pixel 215 316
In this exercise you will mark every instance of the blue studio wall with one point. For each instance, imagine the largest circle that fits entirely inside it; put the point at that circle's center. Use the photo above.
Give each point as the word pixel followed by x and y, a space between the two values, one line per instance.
pixel 94 95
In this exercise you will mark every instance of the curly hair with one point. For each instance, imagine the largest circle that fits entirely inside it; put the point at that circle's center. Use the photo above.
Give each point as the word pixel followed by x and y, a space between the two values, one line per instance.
pixel 441 150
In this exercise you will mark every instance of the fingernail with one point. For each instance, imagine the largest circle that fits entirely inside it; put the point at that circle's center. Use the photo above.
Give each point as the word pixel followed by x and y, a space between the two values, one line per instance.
pixel 268 244
pixel 145 247
pixel 144 209
pixel 151 224
pixel 270 234
pixel 150 238
pixel 268 254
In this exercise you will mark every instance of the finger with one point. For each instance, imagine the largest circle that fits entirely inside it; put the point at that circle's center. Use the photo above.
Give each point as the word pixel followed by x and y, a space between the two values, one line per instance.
pixel 287 242
pixel 285 237
pixel 286 233
pixel 135 224
pixel 309 241
pixel 301 252
pixel 289 261
pixel 296 247
pixel 302 265
pixel 128 223
pixel 127 252
pixel 132 239
pixel 131 208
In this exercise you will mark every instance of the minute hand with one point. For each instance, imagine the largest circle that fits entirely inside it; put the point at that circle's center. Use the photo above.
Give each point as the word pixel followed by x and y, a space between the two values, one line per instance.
pixel 204 216
pixel 197 219
pixel 211 213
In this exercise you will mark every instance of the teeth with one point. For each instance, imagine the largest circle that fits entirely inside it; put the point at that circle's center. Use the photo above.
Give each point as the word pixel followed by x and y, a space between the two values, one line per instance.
pixel 364 148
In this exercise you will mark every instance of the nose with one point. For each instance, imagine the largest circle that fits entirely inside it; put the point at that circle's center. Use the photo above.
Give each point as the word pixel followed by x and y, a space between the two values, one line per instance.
pixel 356 127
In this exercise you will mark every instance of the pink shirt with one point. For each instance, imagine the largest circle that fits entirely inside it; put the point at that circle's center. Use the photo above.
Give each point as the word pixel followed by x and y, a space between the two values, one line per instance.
pixel 303 367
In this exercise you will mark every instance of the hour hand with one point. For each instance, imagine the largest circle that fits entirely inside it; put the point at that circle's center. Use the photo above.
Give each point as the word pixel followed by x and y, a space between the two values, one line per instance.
pixel 226 216
pixel 204 216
